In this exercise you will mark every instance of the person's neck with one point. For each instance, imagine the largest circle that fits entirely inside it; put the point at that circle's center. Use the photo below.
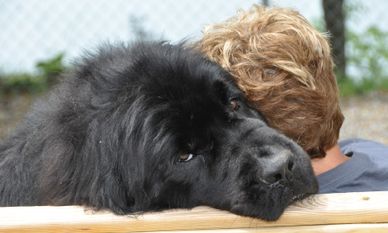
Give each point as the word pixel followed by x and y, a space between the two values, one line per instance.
pixel 333 158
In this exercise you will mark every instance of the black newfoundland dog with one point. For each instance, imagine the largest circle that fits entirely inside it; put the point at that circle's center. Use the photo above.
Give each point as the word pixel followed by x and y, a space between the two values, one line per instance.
pixel 148 127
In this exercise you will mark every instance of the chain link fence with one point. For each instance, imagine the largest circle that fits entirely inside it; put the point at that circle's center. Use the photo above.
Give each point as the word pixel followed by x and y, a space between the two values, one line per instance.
pixel 35 30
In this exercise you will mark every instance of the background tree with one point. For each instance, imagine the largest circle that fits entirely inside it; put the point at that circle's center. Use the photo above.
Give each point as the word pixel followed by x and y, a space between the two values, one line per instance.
pixel 335 23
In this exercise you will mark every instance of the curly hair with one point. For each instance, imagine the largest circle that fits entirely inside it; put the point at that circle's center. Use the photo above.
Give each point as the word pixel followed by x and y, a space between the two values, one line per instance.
pixel 285 68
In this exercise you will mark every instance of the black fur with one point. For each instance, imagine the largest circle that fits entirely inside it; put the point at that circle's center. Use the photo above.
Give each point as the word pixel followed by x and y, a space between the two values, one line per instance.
pixel 115 133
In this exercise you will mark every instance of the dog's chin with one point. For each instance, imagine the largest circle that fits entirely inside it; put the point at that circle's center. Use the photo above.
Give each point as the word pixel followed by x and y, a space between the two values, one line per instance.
pixel 268 205
pixel 289 198
pixel 267 213
pixel 299 197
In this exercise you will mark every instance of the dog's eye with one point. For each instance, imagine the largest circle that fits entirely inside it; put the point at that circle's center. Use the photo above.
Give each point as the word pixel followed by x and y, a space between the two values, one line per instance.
pixel 186 157
pixel 234 105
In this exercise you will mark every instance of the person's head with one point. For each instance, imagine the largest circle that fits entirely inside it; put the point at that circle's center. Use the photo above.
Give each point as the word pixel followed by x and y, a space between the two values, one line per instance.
pixel 285 68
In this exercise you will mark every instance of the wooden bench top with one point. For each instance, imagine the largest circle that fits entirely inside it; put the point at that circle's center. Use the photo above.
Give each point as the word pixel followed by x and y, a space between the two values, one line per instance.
pixel 341 212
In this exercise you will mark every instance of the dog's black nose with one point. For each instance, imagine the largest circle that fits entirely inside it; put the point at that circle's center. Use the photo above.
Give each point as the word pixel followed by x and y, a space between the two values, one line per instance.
pixel 279 167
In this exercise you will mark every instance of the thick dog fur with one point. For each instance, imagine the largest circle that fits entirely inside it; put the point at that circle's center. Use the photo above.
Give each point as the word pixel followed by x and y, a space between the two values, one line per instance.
pixel 151 126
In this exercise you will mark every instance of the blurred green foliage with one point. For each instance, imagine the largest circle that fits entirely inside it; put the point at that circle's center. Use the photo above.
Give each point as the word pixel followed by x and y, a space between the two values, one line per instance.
pixel 47 75
pixel 21 83
pixel 51 68
pixel 368 54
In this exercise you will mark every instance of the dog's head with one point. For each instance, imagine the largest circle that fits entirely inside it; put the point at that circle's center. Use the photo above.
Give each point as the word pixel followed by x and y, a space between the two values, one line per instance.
pixel 192 139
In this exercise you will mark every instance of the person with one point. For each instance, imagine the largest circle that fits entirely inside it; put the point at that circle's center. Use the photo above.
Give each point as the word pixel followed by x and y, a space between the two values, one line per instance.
pixel 285 68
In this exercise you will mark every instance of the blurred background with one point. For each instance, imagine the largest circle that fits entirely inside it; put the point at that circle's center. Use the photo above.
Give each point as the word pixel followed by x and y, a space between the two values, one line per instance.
pixel 40 39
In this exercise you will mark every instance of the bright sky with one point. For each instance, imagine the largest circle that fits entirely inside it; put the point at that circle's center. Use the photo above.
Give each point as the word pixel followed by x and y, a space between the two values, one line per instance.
pixel 35 29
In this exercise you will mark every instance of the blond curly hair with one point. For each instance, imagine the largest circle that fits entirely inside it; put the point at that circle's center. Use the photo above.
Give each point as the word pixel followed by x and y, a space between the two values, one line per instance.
pixel 285 68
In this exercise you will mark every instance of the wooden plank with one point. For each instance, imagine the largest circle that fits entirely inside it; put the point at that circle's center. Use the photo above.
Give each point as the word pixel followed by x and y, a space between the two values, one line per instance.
pixel 337 228
pixel 324 209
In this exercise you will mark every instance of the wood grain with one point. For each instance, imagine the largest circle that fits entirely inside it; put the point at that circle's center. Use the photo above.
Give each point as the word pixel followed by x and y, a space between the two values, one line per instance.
pixel 325 211
pixel 337 228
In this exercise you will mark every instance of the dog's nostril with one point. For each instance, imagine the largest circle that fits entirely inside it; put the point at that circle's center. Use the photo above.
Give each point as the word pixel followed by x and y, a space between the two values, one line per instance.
pixel 277 177
pixel 273 178
pixel 290 165
pixel 279 167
